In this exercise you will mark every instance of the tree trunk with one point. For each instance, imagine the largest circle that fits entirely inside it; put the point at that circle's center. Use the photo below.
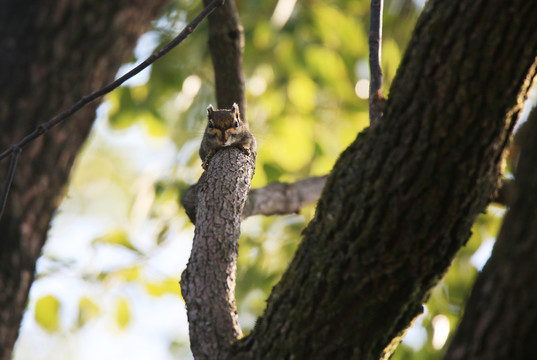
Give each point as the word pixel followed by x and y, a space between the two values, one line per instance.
pixel 401 199
pixel 53 53
pixel 500 318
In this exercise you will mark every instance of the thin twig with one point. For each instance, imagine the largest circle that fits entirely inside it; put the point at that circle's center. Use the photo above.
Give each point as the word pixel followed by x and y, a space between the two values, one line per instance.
pixel 376 100
pixel 10 173
pixel 15 150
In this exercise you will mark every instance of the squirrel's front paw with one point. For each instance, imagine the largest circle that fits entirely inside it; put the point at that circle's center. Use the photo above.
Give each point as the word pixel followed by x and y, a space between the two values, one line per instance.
pixel 205 163
pixel 245 151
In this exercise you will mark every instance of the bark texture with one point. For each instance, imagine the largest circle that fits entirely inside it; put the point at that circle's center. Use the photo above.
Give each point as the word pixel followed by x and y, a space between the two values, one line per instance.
pixel 402 198
pixel 208 283
pixel 500 318
pixel 53 53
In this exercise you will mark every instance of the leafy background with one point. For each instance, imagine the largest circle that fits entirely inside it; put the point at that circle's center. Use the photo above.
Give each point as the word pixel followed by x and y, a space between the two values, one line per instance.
pixel 107 282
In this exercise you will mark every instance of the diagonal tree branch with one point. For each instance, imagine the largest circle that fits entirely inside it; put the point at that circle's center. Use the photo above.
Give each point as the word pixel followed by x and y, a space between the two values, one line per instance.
pixel 401 200
pixel 43 128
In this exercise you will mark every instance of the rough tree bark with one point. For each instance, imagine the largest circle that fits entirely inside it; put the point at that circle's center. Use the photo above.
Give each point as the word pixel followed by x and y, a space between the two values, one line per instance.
pixel 208 283
pixel 500 318
pixel 401 199
pixel 53 53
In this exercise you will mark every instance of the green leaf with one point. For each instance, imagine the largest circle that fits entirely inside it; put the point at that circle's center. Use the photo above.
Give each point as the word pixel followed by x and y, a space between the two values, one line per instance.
pixel 302 92
pixel 291 151
pixel 87 310
pixel 47 313
pixel 154 126
pixel 139 93
pixel 168 286
pixel 263 36
pixel 116 237
pixel 123 313
pixel 339 30
pixel 129 274
pixel 326 63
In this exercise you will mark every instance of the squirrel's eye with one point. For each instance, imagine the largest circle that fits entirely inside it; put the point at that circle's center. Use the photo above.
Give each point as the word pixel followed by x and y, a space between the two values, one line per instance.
pixel 236 123
pixel 210 125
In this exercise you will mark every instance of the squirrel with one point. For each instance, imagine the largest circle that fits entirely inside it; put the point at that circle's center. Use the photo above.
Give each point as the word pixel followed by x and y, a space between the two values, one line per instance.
pixel 225 128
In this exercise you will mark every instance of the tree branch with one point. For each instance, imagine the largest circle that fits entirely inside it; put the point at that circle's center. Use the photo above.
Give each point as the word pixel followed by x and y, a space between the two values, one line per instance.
pixel 283 198
pixel 208 282
pixel 43 128
pixel 226 44
pixel 273 199
pixel 376 100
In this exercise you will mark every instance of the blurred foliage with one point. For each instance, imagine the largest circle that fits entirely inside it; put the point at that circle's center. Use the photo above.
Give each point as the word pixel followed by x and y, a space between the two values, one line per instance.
pixel 87 310
pixel 47 313
pixel 300 79
pixel 116 237
pixel 301 70
pixel 123 313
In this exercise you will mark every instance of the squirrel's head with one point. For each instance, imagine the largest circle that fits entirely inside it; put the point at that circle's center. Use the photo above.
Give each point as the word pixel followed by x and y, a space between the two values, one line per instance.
pixel 224 124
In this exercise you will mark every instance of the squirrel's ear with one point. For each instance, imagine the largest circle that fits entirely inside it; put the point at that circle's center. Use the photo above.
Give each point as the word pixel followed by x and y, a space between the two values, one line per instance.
pixel 210 110
pixel 235 108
